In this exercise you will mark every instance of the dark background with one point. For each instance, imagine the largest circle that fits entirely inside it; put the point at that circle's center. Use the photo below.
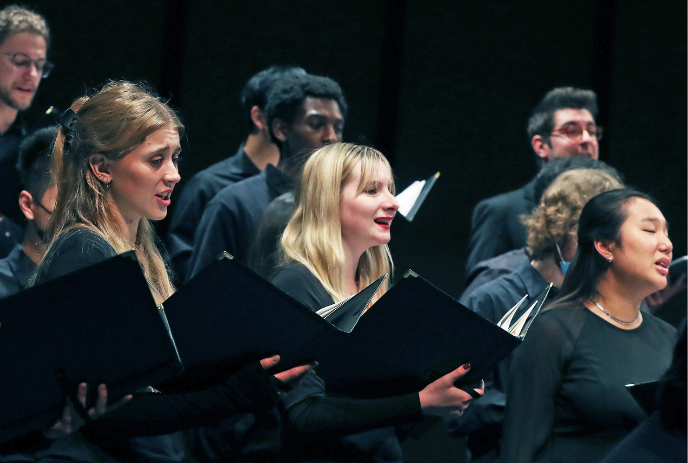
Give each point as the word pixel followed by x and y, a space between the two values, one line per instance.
pixel 436 88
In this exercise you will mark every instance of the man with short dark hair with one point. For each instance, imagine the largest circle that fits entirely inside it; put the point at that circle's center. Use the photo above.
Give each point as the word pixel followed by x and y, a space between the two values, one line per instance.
pixel 561 125
pixel 254 154
pixel 304 113
pixel 24 43
pixel 37 201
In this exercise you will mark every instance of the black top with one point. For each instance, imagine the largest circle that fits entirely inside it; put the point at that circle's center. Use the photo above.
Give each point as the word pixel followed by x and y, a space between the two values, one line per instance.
pixel 196 193
pixel 153 414
pixel 567 400
pixel 231 220
pixel 496 224
pixel 322 425
pixel 10 184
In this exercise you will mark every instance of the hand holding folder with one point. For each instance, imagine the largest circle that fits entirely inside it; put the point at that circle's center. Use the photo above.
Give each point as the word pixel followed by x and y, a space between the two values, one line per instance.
pixel 97 325
pixel 411 336
pixel 59 335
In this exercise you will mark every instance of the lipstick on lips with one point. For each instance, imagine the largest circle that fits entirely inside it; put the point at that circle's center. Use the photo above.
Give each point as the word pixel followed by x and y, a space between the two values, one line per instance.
pixel 384 222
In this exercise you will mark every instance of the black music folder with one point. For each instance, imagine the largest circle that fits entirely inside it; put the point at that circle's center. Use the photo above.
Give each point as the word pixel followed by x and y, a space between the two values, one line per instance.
pixel 414 334
pixel 228 316
pixel 646 395
pixel 99 324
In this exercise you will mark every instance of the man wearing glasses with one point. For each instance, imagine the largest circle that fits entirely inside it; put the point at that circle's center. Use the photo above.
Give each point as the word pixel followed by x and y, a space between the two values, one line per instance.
pixel 24 41
pixel 561 125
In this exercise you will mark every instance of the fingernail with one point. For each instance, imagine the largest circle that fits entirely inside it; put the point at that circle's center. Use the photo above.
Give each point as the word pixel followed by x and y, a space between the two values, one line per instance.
pixel 275 358
pixel 82 386
pixel 466 366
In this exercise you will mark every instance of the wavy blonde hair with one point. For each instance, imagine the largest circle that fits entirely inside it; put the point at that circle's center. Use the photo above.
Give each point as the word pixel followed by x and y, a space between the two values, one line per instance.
pixel 112 122
pixel 313 236
pixel 560 208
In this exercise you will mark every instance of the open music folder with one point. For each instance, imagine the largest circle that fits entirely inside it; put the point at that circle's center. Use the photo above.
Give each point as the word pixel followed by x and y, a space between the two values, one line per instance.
pixel 228 316
pixel 99 324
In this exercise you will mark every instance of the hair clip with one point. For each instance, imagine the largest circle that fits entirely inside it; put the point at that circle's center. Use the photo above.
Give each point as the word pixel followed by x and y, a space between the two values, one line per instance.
pixel 68 119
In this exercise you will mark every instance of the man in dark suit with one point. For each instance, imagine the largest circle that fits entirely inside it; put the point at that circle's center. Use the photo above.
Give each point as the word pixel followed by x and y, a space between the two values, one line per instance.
pixel 561 125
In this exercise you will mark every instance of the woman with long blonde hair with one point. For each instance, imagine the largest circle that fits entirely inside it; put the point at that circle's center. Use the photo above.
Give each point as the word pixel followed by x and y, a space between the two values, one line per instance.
pixel 116 161
pixel 335 245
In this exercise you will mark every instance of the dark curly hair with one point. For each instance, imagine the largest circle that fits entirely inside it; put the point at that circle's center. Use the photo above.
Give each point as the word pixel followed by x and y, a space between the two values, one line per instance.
pixel 286 96
pixel 34 161
pixel 255 92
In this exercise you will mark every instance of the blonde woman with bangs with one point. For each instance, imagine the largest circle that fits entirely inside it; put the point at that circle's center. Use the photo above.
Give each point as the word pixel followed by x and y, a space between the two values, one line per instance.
pixel 116 160
pixel 335 245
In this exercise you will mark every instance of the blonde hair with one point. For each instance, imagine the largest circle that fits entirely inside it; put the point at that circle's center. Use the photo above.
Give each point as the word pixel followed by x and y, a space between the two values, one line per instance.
pixel 112 122
pixel 313 236
pixel 560 208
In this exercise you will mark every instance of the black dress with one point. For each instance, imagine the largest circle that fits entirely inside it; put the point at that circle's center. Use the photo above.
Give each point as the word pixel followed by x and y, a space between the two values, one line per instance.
pixel 326 428
pixel 566 396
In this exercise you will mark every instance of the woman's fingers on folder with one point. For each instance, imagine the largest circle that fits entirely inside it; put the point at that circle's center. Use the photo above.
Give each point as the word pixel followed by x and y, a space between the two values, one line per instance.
pixel 287 375
pixel 442 398
pixel 270 362
pixel 293 373
pixel 71 421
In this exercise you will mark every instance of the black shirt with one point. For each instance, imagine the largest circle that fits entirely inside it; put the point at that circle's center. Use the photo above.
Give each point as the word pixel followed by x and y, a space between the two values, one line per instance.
pixel 196 193
pixel 231 220
pixel 567 400
pixel 10 185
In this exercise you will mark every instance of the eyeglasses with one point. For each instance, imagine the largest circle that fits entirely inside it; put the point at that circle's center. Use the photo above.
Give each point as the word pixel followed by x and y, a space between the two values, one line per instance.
pixel 575 131
pixel 24 61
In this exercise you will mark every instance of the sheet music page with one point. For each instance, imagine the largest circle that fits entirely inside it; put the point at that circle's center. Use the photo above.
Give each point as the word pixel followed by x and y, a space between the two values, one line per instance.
pixel 408 197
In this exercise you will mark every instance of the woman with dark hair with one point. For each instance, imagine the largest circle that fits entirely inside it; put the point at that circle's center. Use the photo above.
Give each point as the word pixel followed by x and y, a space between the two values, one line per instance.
pixel 552 242
pixel 566 396
pixel 334 245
